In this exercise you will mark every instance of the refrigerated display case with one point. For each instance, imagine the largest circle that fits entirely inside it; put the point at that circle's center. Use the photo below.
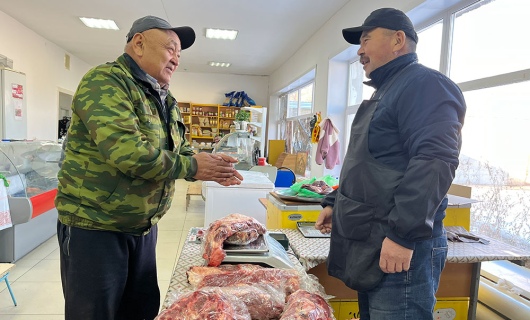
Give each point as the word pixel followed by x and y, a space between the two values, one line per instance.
pixel 31 170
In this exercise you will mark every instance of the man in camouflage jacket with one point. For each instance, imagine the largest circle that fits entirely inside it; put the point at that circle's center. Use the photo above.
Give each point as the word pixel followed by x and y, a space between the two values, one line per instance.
pixel 125 148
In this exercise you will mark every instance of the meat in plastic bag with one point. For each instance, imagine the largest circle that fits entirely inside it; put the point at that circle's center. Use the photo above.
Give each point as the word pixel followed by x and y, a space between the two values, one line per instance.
pixel 211 304
pixel 303 305
pixel 238 227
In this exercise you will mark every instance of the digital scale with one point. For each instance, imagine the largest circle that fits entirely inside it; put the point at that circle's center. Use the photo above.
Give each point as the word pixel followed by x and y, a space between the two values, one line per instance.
pixel 265 251
pixel 309 231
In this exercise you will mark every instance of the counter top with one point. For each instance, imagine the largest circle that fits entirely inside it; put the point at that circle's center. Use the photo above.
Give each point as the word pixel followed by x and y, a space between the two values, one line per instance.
pixel 314 251
pixel 191 256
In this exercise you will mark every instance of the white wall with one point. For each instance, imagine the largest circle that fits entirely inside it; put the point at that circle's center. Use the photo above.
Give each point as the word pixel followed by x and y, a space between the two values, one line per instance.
pixel 321 47
pixel 211 87
pixel 43 63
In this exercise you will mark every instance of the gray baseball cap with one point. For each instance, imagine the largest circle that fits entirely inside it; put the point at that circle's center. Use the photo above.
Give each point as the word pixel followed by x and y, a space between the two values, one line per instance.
pixel 186 34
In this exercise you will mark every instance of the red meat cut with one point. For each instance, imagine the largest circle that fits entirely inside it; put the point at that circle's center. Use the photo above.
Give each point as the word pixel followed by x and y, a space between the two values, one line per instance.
pixel 303 305
pixel 212 304
pixel 239 228
pixel 263 302
pixel 196 273
pixel 286 280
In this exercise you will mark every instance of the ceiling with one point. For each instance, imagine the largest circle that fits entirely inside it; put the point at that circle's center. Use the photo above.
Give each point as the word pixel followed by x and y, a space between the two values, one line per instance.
pixel 270 31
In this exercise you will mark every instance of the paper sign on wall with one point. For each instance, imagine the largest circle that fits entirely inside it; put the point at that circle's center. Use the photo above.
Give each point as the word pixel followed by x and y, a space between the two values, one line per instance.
pixel 17 90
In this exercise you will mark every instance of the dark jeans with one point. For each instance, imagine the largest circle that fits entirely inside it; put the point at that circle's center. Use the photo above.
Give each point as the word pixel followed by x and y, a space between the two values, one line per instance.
pixel 408 295
pixel 108 275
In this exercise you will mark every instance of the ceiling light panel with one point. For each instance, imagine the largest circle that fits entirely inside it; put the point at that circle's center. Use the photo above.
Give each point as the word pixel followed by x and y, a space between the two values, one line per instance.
pixel 99 23
pixel 219 64
pixel 221 34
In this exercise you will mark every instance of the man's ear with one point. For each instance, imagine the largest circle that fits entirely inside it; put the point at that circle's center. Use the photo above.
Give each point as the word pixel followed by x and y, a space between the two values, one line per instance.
pixel 399 40
pixel 138 44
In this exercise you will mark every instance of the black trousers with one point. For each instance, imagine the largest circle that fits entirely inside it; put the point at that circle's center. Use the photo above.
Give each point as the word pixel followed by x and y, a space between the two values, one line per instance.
pixel 108 275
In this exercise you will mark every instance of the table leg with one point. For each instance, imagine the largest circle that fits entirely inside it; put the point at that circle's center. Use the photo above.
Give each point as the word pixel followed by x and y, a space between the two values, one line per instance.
pixel 473 291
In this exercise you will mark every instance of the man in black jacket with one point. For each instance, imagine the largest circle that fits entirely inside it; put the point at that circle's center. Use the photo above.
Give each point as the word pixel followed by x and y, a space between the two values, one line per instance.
pixel 388 240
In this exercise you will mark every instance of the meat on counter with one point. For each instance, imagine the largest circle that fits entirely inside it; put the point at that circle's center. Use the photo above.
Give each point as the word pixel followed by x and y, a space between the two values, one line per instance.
pixel 238 228
pixel 303 305
pixel 206 305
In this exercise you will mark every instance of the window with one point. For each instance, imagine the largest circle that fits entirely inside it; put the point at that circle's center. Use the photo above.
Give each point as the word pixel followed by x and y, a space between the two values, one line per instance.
pixel 430 45
pixel 295 110
pixel 489 39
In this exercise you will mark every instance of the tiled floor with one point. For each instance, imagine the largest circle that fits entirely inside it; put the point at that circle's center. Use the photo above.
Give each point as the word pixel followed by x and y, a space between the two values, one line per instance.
pixel 36 280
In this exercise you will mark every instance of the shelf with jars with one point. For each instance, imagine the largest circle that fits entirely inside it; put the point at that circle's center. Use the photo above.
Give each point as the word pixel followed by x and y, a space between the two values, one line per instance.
pixel 204 122
pixel 257 125
pixel 185 111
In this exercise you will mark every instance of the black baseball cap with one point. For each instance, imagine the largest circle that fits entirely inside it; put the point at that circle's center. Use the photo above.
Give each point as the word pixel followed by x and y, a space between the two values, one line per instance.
pixel 387 18
pixel 186 34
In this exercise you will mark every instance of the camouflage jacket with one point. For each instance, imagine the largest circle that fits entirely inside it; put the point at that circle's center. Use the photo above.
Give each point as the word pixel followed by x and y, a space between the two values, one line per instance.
pixel 120 164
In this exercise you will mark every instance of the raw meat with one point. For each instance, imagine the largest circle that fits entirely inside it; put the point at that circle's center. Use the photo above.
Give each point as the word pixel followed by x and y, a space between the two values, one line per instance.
pixel 196 274
pixel 318 186
pixel 219 230
pixel 206 305
pixel 303 305
pixel 263 302
pixel 286 280
pixel 243 237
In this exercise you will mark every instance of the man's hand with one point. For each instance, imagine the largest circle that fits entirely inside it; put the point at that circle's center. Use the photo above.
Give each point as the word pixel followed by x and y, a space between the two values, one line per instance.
pixel 218 168
pixel 324 220
pixel 394 258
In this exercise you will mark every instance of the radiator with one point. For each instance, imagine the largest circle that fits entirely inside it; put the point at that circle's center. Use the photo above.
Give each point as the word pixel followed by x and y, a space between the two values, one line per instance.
pixel 505 288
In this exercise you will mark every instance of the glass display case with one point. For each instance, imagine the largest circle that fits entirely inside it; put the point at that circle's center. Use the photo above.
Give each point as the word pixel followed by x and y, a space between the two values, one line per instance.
pixel 31 169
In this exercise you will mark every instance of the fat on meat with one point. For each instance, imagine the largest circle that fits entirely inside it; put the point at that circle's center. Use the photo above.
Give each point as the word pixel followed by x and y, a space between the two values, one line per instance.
pixel 286 280
pixel 240 226
pixel 206 305
pixel 263 301
pixel 197 273
pixel 303 305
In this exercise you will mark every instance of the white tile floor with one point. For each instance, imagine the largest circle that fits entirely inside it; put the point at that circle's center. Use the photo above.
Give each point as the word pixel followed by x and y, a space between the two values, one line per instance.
pixel 36 279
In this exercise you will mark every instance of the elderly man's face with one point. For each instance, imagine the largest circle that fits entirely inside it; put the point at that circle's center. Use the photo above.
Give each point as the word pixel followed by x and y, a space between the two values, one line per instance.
pixel 376 49
pixel 161 54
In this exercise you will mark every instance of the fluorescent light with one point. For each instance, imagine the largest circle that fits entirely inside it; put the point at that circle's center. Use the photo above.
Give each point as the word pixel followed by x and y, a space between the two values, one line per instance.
pixel 221 34
pixel 99 23
pixel 219 64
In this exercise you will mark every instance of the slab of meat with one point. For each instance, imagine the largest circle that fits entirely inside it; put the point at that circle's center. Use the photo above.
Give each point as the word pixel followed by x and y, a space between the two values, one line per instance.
pixel 197 273
pixel 263 302
pixel 303 305
pixel 240 226
pixel 206 305
pixel 286 280
pixel 319 187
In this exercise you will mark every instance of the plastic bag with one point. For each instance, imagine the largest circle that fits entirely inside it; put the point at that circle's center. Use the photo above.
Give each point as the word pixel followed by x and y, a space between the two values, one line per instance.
pixel 297 187
pixel 306 305
pixel 210 304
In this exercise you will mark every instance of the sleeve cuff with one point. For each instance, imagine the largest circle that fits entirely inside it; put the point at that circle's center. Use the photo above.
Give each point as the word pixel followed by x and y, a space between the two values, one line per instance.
pixel 192 170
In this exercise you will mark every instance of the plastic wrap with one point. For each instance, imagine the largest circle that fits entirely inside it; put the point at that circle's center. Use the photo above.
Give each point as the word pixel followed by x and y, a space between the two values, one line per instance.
pixel 263 301
pixel 197 273
pixel 210 304
pixel 220 230
pixel 286 280
pixel 298 187
pixel 303 305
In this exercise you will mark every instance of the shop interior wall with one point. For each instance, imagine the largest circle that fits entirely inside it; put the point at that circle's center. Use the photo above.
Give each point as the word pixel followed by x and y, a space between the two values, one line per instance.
pixel 43 63
pixel 319 50
pixel 211 87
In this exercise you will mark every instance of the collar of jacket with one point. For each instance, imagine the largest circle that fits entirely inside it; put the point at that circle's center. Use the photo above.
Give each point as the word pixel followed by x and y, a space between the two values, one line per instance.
pixel 139 74
pixel 385 72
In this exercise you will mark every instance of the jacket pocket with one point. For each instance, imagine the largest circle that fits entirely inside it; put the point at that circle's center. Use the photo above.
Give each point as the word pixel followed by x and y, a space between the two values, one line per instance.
pixel 353 219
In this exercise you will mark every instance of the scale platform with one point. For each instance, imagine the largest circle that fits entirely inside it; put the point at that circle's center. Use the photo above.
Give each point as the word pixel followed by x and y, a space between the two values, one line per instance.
pixel 265 251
